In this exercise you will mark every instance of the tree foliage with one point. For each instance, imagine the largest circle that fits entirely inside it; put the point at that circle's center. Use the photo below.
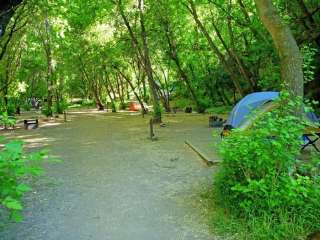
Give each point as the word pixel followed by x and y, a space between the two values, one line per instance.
pixel 161 52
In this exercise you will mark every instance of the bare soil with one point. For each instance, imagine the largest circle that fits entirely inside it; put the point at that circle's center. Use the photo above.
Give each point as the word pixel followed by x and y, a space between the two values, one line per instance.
pixel 114 183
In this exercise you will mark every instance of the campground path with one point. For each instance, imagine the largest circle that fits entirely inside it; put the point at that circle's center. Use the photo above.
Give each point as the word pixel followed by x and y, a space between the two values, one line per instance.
pixel 116 184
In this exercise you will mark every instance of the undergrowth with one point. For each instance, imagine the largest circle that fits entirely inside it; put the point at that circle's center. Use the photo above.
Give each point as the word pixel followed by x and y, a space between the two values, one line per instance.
pixel 262 190
pixel 16 168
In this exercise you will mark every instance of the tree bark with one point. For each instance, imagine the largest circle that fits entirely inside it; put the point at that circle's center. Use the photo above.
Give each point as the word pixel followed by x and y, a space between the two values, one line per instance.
pixel 290 57
pixel 148 66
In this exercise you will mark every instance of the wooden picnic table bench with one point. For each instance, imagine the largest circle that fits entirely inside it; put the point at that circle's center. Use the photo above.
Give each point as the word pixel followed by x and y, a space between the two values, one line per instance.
pixel 33 123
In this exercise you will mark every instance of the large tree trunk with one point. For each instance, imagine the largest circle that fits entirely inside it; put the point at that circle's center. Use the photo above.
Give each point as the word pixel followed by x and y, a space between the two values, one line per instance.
pixel 290 56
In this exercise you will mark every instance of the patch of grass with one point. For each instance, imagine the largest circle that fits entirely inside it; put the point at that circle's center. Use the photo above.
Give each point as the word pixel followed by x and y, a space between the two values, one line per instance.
pixel 266 227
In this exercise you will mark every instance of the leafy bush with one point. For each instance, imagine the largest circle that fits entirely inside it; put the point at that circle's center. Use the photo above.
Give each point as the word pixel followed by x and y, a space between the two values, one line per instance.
pixel 182 103
pixel 60 106
pixel 88 103
pixel 309 63
pixel 11 108
pixel 259 177
pixel 26 106
pixel 15 168
pixel 123 106
pixel 47 111
pixel 114 107
pixel 6 120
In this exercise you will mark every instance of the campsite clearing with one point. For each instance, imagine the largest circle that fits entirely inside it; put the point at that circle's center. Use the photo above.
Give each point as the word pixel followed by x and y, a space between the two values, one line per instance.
pixel 114 183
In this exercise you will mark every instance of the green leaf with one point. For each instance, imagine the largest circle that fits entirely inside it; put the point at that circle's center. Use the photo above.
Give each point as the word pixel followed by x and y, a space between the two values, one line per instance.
pixel 23 188
pixel 13 204
pixel 16 216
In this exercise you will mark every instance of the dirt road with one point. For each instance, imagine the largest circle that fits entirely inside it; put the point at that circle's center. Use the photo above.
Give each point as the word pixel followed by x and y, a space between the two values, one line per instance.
pixel 115 183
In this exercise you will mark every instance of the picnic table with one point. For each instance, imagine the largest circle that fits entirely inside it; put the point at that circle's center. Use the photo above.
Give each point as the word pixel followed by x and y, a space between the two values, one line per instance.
pixel 31 123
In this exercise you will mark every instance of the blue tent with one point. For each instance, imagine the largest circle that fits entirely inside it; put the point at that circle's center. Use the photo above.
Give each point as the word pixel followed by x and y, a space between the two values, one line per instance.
pixel 252 102
pixel 247 105
pixel 238 118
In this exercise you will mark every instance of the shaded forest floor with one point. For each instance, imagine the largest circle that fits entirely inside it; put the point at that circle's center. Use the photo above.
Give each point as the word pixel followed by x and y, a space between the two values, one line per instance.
pixel 114 183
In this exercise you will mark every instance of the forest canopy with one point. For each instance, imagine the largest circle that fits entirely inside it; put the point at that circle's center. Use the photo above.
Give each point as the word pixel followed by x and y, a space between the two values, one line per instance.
pixel 170 53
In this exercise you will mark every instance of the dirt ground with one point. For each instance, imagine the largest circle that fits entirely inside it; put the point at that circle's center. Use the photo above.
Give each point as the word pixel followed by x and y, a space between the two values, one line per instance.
pixel 114 183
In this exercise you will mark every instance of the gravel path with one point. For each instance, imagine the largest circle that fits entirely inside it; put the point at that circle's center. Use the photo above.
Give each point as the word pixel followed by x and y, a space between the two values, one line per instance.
pixel 116 184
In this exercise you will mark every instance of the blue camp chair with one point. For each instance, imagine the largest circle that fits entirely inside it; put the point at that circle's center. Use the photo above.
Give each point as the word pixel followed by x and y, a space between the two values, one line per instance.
pixel 260 100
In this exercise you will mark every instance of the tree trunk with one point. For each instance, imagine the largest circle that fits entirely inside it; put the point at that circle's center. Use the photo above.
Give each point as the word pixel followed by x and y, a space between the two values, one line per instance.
pixel 126 78
pixel 47 46
pixel 99 104
pixel 113 105
pixel 290 56
pixel 143 55
pixel 215 49
pixel 232 55
pixel 148 66
pixel 119 86
pixel 173 54
pixel 166 90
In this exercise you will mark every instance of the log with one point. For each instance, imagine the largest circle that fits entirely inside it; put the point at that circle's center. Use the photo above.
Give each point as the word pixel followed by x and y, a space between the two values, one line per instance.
pixel 201 155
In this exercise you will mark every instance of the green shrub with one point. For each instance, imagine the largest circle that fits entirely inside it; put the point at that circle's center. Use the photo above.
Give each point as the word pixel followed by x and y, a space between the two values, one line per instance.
pixel 11 109
pixel 88 103
pixel 60 106
pixel 26 106
pixel 182 103
pixel 123 106
pixel 15 168
pixel 114 107
pixel 259 177
pixel 6 120
pixel 47 111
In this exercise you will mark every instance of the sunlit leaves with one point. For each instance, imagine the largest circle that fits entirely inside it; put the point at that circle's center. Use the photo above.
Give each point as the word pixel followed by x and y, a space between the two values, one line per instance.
pixel 15 168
